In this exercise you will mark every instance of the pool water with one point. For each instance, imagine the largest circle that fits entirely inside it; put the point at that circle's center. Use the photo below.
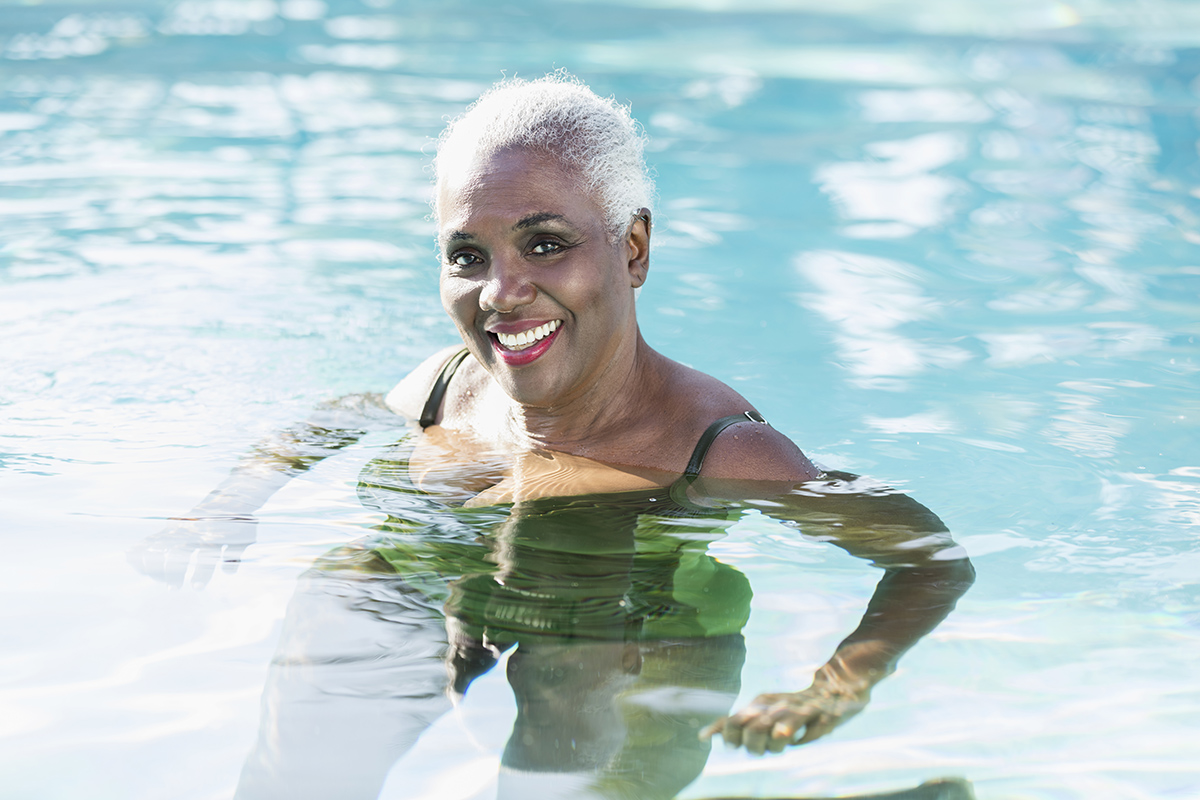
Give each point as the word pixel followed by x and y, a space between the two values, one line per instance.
pixel 952 246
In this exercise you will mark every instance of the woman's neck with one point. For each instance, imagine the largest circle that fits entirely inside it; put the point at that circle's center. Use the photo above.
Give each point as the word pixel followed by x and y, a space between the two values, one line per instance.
pixel 601 415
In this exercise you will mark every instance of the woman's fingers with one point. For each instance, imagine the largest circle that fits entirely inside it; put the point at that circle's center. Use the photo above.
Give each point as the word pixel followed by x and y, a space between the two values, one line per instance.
pixel 772 722
pixel 769 723
pixel 818 728
pixel 196 544
pixel 710 730
pixel 731 727
pixel 790 717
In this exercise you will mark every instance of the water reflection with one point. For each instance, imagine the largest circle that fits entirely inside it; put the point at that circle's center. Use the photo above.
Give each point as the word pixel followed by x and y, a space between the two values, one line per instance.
pixel 870 299
pixel 623 634
pixel 178 267
pixel 895 191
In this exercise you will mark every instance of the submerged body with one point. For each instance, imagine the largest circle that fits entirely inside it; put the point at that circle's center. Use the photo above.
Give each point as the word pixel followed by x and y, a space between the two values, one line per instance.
pixel 623 638
pixel 623 634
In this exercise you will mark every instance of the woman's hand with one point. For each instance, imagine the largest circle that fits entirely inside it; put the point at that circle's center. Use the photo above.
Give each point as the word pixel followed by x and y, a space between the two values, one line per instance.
pixel 772 721
pixel 207 541
pixel 840 689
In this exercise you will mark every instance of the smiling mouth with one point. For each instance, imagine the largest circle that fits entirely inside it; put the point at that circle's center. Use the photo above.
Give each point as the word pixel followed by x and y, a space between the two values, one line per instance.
pixel 516 342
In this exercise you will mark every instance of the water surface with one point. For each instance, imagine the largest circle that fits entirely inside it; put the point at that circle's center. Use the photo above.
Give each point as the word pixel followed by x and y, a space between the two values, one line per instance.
pixel 951 246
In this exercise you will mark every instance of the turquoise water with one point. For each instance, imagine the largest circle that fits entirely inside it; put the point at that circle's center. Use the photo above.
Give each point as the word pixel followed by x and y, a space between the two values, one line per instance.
pixel 953 246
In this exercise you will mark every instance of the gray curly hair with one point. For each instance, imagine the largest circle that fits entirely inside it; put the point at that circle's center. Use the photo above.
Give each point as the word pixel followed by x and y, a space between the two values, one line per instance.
pixel 559 115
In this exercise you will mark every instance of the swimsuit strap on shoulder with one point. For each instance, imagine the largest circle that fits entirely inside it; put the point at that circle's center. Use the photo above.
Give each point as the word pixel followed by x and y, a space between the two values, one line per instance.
pixel 710 435
pixel 438 392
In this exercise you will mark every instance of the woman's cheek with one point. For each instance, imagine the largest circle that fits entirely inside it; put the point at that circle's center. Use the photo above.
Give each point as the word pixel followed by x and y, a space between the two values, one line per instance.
pixel 456 295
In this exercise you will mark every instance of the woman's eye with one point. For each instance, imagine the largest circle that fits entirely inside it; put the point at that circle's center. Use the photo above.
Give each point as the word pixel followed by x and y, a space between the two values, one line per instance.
pixel 546 248
pixel 463 259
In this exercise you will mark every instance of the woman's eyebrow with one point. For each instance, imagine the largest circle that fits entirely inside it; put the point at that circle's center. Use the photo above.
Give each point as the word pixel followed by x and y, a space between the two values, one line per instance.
pixel 537 219
pixel 458 236
pixel 521 224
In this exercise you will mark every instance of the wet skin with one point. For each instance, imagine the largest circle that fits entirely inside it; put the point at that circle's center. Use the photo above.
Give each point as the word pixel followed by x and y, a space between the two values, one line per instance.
pixel 521 247
pixel 524 248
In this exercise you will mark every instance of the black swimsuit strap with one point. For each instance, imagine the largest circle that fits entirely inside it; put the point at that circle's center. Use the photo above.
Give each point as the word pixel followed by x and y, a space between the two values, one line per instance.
pixel 710 435
pixel 679 489
pixel 438 392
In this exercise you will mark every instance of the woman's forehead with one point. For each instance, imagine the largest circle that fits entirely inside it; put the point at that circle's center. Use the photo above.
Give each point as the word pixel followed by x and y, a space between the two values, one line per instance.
pixel 513 186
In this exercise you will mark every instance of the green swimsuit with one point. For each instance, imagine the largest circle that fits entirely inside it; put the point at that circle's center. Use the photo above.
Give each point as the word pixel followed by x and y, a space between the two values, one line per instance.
pixel 602 567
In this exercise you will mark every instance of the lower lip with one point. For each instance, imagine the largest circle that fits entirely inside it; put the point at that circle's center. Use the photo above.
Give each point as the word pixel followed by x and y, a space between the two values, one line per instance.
pixel 519 358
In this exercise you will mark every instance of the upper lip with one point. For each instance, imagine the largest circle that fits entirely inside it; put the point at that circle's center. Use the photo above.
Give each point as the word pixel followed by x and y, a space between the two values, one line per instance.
pixel 516 326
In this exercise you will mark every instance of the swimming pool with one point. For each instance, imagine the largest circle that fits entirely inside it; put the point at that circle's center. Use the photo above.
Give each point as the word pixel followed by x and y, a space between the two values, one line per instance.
pixel 952 246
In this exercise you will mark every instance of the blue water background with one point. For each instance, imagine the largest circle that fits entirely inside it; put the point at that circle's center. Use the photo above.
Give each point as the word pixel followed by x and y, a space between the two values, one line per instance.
pixel 951 245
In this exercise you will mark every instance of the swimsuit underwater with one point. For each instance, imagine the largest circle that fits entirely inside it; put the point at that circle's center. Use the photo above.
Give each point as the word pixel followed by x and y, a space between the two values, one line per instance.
pixel 603 567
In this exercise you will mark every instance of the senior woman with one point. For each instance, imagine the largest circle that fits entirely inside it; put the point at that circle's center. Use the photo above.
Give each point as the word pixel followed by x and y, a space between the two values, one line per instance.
pixel 584 450
pixel 544 230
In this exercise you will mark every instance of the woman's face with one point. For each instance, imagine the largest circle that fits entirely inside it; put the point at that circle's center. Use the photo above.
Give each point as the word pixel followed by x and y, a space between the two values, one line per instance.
pixel 541 297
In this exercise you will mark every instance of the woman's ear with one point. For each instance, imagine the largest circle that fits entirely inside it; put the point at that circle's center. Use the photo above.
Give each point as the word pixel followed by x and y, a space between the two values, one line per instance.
pixel 638 244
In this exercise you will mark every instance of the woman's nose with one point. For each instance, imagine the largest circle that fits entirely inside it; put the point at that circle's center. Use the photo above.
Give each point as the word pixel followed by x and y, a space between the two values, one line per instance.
pixel 507 288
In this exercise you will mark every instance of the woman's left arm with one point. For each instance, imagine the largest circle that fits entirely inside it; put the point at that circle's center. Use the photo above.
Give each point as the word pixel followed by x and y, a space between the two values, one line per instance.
pixel 925 575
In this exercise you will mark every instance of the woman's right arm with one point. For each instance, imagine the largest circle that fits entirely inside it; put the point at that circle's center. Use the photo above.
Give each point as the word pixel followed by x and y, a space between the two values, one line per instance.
pixel 222 525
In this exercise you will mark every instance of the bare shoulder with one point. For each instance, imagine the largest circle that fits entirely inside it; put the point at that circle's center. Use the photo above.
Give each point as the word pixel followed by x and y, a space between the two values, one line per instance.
pixel 408 397
pixel 755 451
pixel 746 450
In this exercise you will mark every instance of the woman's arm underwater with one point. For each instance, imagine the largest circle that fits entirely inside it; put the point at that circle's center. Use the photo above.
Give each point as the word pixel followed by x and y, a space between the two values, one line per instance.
pixel 222 525
pixel 925 575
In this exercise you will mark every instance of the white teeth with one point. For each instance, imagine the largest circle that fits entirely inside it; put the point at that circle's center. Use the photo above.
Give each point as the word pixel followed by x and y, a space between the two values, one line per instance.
pixel 517 341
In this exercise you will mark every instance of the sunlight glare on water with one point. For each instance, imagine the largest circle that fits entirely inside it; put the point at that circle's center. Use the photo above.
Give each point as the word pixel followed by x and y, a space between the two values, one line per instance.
pixel 952 246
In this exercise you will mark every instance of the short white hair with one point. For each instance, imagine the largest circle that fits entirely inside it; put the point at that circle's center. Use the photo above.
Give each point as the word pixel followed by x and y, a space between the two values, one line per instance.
pixel 559 115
